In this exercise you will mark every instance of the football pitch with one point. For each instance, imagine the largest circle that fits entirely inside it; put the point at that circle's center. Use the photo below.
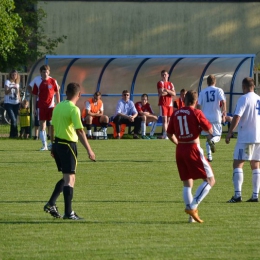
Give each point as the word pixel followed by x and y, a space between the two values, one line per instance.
pixel 131 201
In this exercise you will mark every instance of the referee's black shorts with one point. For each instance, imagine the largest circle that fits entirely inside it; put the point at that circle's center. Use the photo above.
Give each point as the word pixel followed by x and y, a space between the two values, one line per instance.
pixel 65 155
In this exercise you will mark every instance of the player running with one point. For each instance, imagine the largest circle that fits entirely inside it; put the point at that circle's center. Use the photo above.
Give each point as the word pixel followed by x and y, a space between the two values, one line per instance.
pixel 212 102
pixel 184 129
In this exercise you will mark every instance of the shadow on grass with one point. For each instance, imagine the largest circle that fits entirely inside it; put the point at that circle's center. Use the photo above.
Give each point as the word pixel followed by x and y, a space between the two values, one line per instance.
pixel 95 201
pixel 61 221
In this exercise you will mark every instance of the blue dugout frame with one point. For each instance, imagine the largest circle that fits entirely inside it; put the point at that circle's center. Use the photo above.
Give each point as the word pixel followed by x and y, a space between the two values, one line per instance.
pixel 145 58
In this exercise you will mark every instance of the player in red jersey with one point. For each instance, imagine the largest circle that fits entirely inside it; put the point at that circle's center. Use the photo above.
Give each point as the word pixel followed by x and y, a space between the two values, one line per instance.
pixel 184 129
pixel 165 91
pixel 44 88
pixel 145 111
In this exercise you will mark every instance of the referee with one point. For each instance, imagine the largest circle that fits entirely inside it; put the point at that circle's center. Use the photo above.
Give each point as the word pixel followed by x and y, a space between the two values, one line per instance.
pixel 67 128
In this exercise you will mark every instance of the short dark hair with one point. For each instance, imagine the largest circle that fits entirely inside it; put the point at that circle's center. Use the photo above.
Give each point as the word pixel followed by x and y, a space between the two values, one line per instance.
pixel 211 80
pixel 72 89
pixel 97 93
pixel 191 97
pixel 183 90
pixel 248 82
pixel 164 71
pixel 45 67
pixel 125 91
pixel 144 95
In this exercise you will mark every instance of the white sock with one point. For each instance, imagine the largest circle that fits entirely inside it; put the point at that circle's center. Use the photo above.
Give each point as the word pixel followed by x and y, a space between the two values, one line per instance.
pixel 153 127
pixel 208 148
pixel 201 193
pixel 256 183
pixel 89 132
pixel 187 196
pixel 238 178
pixel 143 127
pixel 43 138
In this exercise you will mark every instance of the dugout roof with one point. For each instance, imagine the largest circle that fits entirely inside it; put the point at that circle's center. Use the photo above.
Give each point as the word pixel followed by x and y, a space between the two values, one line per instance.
pixel 140 73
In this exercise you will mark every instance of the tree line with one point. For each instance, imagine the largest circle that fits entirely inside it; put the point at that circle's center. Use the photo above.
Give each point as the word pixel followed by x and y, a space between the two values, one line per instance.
pixel 22 36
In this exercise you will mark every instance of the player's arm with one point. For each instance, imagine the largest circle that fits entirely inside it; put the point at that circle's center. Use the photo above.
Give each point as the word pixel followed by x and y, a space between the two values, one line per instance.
pixel 89 113
pixel 161 92
pixel 82 138
pixel 223 107
pixel 34 103
pixel 172 138
pixel 58 95
pixel 171 92
pixel 233 125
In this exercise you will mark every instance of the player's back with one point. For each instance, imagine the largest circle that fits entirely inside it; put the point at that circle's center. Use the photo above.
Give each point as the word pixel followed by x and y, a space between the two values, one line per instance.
pixel 248 109
pixel 188 123
pixel 209 100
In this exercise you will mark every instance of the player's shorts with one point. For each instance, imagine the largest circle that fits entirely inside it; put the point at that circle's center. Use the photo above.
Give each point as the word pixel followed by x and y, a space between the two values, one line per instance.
pixel 166 111
pixel 45 113
pixel 37 122
pixel 191 162
pixel 247 152
pixel 95 121
pixel 217 129
pixel 65 155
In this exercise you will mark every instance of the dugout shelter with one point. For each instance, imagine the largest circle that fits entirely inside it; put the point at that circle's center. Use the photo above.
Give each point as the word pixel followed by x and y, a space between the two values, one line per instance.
pixel 139 74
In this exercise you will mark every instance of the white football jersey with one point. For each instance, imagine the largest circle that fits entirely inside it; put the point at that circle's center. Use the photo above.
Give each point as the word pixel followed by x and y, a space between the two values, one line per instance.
pixel 248 108
pixel 209 100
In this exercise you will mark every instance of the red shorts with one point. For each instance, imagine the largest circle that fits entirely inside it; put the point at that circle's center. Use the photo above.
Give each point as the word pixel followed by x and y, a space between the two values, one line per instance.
pixel 166 111
pixel 191 162
pixel 45 113
pixel 95 121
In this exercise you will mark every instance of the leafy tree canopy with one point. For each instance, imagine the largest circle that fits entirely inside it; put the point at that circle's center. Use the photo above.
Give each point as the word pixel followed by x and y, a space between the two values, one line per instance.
pixel 29 40
pixel 9 23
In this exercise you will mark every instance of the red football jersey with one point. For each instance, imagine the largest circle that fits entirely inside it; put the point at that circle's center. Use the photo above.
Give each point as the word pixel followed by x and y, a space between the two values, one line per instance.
pixel 187 123
pixel 165 100
pixel 145 108
pixel 45 89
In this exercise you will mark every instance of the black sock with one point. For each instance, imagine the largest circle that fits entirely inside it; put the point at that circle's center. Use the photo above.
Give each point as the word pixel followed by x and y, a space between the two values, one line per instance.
pixel 57 191
pixel 68 196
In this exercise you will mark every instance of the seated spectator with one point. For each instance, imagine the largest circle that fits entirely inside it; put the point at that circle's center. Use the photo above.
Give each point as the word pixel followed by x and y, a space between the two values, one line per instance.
pixel 179 103
pixel 93 114
pixel 145 111
pixel 126 113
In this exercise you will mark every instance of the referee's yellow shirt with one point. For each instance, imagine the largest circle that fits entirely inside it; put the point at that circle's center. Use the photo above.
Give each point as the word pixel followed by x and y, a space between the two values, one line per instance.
pixel 65 119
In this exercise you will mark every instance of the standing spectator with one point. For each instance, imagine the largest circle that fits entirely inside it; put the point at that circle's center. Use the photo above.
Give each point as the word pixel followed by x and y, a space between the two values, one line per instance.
pixel 212 102
pixel 44 88
pixel 126 113
pixel 184 130
pixel 165 91
pixel 24 114
pixel 93 113
pixel 247 120
pixel 145 111
pixel 68 128
pixel 179 102
pixel 12 100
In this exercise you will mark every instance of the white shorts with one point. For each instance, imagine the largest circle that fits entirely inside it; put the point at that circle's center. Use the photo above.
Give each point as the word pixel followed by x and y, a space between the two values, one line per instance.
pixel 217 130
pixel 247 152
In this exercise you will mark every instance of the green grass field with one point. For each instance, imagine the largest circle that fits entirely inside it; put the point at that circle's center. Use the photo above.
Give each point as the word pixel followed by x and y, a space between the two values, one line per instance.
pixel 131 199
